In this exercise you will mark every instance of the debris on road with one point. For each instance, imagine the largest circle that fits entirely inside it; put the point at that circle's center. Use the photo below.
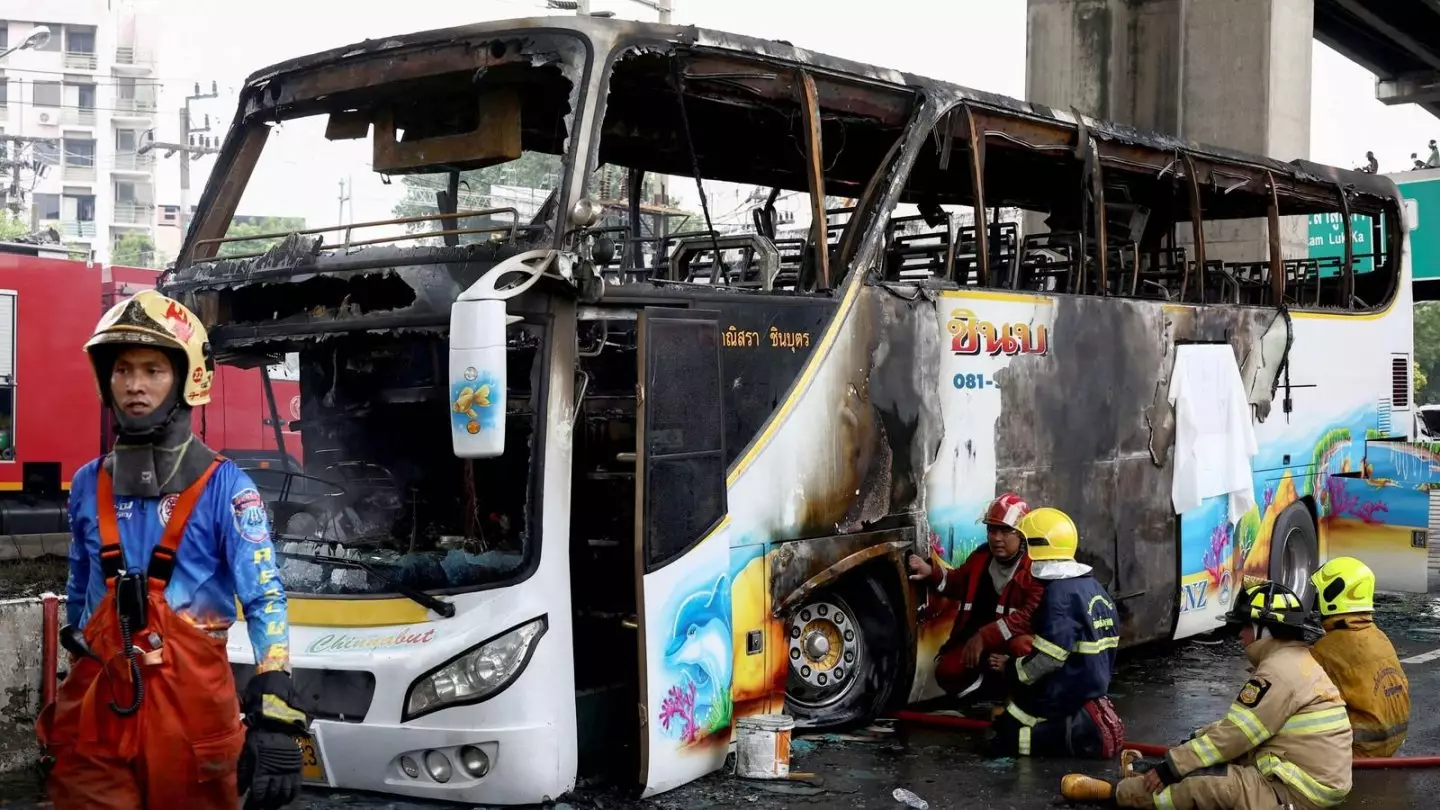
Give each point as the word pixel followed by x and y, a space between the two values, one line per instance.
pixel 801 746
pixel 909 799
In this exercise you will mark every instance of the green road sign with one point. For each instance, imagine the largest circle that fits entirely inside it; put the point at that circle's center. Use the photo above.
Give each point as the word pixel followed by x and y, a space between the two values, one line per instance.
pixel 1327 240
pixel 1421 192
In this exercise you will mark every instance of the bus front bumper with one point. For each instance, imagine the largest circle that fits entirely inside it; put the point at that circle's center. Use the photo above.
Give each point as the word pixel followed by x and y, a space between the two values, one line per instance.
pixel 519 764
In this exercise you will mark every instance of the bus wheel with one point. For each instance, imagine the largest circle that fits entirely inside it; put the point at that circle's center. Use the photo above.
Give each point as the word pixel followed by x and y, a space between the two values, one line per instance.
pixel 844 654
pixel 1294 550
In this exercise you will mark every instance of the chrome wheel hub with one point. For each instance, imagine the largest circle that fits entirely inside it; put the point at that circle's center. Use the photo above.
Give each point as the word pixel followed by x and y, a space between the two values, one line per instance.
pixel 824 645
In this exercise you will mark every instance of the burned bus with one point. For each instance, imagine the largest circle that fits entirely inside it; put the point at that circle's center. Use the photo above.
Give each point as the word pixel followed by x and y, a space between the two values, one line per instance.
pixel 678 342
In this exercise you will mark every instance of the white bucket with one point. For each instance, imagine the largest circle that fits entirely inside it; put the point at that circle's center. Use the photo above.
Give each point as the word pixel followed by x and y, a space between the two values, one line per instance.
pixel 762 746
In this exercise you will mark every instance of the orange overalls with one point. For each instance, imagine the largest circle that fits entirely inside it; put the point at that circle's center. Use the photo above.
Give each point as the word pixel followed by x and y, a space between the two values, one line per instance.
pixel 182 745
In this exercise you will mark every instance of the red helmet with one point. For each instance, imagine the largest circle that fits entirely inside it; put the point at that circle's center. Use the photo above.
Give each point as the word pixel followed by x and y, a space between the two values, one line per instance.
pixel 1006 510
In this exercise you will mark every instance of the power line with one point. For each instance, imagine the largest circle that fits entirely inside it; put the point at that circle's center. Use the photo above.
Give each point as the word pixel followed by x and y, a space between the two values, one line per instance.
pixel 130 111
pixel 5 76
pixel 185 79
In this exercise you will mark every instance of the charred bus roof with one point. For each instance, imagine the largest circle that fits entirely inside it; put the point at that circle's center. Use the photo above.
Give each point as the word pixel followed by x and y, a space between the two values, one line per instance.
pixel 316 77
pixel 1230 184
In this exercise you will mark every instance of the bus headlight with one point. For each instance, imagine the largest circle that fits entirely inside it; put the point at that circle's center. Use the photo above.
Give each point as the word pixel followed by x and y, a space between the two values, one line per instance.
pixel 476 674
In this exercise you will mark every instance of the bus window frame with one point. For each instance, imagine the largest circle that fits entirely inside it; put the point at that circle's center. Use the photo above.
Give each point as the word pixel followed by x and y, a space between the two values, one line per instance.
pixel 1198 164
pixel 850 248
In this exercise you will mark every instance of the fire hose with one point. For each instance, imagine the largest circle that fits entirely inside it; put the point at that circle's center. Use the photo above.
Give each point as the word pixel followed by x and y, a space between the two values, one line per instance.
pixel 1152 750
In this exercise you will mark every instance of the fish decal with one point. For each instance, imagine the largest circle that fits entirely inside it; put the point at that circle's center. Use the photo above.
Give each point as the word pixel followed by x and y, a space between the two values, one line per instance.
pixel 700 649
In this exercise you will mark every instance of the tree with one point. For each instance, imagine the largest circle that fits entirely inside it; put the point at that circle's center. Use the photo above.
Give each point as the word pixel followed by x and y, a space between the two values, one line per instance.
pixel 534 170
pixel 136 250
pixel 1427 351
pixel 254 227
pixel 12 228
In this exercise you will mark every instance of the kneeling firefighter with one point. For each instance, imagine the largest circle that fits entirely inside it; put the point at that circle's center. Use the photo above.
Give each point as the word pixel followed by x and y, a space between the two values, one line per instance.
pixel 165 536
pixel 1059 705
pixel 997 595
pixel 1284 743
pixel 1359 658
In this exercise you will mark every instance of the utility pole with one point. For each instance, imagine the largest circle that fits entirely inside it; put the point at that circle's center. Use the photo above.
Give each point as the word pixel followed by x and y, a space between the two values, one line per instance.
pixel 185 136
pixel 185 147
pixel 16 142
pixel 344 198
pixel 185 150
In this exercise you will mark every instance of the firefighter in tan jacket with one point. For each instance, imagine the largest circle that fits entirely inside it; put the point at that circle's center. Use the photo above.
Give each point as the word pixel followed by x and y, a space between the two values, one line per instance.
pixel 1284 742
pixel 1359 658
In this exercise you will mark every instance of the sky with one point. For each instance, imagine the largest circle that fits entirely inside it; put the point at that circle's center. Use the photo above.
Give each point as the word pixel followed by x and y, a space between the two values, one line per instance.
pixel 981 46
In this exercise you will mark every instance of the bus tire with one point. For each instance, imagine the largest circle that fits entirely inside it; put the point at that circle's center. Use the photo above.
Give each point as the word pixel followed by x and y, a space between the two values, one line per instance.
pixel 1295 550
pixel 854 628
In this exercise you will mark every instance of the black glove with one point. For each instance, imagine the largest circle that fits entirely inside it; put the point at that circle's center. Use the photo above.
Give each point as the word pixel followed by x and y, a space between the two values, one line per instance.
pixel 271 762
pixel 1166 770
pixel 1162 766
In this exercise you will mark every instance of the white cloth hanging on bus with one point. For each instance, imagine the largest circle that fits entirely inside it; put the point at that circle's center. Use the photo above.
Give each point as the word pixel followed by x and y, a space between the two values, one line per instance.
pixel 1214 431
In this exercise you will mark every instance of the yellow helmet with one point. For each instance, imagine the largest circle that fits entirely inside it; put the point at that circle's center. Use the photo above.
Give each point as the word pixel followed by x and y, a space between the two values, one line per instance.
pixel 1050 534
pixel 1344 585
pixel 1270 604
pixel 155 321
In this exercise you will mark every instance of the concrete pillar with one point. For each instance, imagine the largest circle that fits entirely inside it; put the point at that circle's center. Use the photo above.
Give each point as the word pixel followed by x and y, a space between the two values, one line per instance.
pixel 1111 59
pixel 1233 73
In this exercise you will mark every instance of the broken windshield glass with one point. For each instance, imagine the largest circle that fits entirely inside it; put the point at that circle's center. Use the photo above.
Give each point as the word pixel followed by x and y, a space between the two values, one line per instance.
pixel 382 505
pixel 382 486
pixel 382 169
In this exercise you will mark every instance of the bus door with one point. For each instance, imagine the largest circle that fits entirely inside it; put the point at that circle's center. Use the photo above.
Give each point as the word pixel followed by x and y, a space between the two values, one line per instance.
pixel 682 549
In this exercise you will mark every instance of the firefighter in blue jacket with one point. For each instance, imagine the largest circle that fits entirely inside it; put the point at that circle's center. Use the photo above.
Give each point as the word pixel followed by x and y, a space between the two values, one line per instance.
pixel 1059 705
pixel 166 536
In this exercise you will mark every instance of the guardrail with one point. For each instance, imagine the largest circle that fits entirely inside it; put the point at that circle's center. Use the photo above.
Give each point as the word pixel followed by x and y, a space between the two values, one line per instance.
pixel 78 116
pixel 79 174
pixel 80 60
pixel 77 229
pixel 132 162
pixel 132 57
pixel 134 108
pixel 134 214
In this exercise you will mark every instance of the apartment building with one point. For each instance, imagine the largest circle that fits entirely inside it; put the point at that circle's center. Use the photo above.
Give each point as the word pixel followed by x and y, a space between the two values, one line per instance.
pixel 92 88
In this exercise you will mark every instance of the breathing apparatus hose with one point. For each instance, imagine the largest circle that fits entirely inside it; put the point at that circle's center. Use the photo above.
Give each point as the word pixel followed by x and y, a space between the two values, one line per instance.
pixel 136 683
pixel 1152 750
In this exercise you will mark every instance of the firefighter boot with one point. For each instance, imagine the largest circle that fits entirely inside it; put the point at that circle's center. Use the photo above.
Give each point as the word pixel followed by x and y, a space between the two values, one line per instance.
pixel 1077 787
pixel 1128 758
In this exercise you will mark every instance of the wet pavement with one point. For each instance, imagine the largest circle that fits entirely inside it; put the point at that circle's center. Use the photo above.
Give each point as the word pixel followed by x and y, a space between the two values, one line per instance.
pixel 1163 693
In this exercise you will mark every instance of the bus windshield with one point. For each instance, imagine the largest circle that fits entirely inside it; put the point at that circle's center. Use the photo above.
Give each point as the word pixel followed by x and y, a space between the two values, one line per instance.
pixel 379 485
pixel 383 178
pixel 379 497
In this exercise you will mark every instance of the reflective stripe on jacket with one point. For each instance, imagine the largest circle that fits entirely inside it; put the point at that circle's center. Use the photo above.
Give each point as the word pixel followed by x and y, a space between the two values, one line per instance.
pixel 1360 659
pixel 1076 638
pixel 227 554
pixel 1289 721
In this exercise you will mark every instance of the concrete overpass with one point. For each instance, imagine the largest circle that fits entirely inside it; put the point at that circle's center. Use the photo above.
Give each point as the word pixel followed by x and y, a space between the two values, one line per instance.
pixel 1229 72
pixel 1397 40
pixel 1232 73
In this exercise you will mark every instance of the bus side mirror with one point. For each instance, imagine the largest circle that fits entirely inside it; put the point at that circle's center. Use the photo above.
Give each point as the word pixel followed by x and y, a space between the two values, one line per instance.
pixel 478 322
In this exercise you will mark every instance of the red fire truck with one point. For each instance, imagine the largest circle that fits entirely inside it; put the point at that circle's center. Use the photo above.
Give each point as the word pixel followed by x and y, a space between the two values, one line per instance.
pixel 50 417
